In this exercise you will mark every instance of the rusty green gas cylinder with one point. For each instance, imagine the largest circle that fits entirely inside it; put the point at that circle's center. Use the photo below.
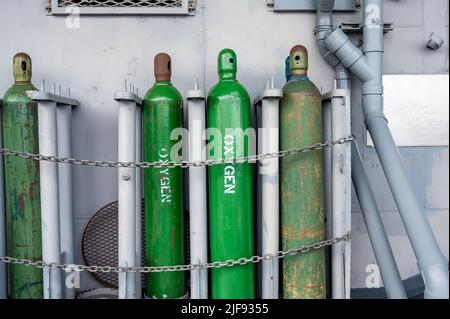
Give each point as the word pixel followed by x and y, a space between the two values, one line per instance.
pixel 164 221
pixel 230 186
pixel 301 183
pixel 22 188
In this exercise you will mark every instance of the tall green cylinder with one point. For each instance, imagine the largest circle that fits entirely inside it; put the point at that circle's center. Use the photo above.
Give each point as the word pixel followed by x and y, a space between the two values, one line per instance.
pixel 22 185
pixel 164 215
pixel 230 186
pixel 301 183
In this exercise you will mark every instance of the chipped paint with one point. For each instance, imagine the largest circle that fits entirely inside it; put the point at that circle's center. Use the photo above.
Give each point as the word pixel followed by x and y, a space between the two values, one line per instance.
pixel 22 192
pixel 302 203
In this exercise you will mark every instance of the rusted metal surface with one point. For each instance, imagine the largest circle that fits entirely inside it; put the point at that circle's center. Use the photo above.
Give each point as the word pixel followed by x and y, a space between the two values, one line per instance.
pixel 22 184
pixel 302 197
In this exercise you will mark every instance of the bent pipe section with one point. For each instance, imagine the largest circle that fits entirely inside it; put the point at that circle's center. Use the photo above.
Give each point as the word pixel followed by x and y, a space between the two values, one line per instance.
pixel 324 27
pixel 367 66
pixel 349 55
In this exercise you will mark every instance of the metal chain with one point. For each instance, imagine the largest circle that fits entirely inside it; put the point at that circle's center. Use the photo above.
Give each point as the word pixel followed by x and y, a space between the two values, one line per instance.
pixel 158 269
pixel 182 164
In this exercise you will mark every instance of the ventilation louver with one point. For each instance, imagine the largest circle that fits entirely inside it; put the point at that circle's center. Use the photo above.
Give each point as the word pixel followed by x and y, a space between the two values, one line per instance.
pixel 131 7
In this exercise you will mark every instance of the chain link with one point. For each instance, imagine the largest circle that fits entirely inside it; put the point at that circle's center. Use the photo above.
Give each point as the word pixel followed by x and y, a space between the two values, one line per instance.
pixel 182 164
pixel 158 269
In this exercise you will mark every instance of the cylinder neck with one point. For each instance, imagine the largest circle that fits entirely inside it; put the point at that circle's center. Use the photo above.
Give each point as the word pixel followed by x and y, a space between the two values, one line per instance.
pixel 163 83
pixel 299 60
pixel 22 68
pixel 227 65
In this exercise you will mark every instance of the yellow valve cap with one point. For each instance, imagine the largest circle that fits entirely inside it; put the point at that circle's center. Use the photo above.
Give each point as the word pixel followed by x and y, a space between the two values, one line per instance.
pixel 22 68
pixel 299 60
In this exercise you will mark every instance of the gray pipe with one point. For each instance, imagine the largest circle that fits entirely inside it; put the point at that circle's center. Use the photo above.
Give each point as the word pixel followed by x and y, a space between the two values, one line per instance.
pixel 349 55
pixel 343 77
pixel 390 274
pixel 368 65
pixel 377 234
pixel 430 260
pixel 324 27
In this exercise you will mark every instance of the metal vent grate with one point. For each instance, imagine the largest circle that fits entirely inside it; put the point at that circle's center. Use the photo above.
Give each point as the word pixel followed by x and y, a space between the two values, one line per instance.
pixel 120 3
pixel 100 242
pixel 124 6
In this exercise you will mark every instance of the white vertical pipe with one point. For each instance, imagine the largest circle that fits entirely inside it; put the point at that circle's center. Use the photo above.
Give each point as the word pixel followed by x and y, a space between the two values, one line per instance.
pixel 197 193
pixel 138 200
pixel 326 123
pixel 340 196
pixel 3 275
pixel 326 116
pixel 348 203
pixel 348 194
pixel 269 170
pixel 51 252
pixel 64 125
pixel 127 198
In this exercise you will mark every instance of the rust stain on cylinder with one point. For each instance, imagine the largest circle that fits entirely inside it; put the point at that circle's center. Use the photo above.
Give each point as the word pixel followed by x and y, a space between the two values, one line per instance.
pixel 301 179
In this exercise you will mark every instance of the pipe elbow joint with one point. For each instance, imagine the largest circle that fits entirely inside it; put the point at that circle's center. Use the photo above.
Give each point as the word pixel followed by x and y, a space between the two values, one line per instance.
pixel 350 56
pixel 339 44
pixel 435 276
pixel 324 26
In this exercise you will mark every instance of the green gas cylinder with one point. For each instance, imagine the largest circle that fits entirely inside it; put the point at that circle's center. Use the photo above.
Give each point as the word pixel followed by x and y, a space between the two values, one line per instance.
pixel 22 185
pixel 301 183
pixel 230 186
pixel 164 215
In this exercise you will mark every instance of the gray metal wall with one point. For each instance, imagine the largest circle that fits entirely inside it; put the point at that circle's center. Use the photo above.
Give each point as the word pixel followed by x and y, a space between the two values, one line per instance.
pixel 94 60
